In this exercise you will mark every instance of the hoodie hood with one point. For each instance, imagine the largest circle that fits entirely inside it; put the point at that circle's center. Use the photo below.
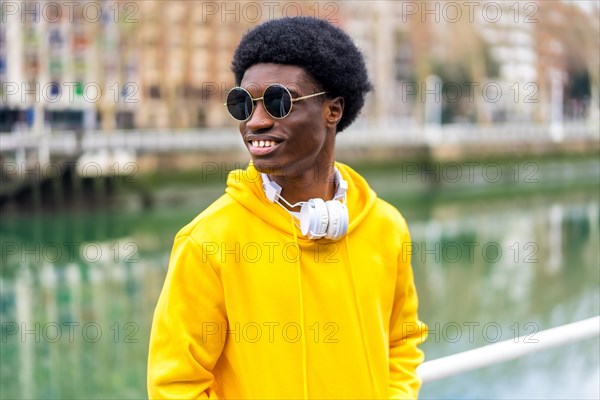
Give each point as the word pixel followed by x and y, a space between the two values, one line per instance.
pixel 245 187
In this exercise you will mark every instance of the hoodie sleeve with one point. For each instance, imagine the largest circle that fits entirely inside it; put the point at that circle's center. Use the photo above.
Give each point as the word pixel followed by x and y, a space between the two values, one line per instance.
pixel 184 344
pixel 406 331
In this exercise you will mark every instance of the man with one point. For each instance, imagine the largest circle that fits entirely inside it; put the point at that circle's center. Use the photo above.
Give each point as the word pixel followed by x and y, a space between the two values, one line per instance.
pixel 296 283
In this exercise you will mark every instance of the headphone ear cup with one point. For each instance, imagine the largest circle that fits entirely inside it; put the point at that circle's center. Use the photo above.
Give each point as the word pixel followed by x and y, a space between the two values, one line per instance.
pixel 338 219
pixel 314 218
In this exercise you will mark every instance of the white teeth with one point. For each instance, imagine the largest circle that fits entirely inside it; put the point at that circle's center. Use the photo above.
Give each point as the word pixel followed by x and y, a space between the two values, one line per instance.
pixel 263 143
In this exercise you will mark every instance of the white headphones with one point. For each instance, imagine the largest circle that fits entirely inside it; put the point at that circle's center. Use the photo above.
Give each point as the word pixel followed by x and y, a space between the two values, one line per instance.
pixel 318 218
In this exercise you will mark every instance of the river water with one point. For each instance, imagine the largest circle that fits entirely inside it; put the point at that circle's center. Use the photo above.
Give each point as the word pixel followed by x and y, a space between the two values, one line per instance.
pixel 78 290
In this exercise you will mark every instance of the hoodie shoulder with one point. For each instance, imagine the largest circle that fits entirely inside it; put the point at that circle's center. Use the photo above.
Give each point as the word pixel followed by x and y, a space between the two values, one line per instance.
pixel 390 212
pixel 210 221
pixel 390 219
pixel 367 208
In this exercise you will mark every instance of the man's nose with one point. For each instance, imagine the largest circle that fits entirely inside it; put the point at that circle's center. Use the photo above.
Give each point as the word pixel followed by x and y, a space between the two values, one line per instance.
pixel 259 119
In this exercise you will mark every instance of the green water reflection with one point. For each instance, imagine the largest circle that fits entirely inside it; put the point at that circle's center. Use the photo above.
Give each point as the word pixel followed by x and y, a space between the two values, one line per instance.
pixel 78 292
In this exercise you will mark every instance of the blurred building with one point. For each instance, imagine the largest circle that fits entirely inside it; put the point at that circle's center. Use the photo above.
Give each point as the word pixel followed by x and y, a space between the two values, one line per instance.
pixel 510 33
pixel 50 72
pixel 184 50
pixel 568 62
pixel 116 64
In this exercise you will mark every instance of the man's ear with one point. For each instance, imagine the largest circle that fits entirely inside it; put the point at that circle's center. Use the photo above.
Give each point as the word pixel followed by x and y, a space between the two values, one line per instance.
pixel 334 109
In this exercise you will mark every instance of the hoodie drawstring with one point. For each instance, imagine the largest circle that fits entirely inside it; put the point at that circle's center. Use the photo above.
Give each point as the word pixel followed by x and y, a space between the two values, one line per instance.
pixel 360 320
pixel 356 306
pixel 301 298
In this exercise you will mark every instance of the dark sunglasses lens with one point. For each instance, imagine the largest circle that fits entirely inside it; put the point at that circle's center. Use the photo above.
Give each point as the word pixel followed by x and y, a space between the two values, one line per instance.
pixel 239 104
pixel 277 101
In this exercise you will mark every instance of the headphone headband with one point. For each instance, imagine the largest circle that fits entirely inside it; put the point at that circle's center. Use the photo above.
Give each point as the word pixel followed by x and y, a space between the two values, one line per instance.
pixel 318 218
pixel 273 190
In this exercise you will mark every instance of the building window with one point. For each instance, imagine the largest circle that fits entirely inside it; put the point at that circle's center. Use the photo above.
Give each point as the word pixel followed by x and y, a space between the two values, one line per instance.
pixel 154 92
pixel 54 89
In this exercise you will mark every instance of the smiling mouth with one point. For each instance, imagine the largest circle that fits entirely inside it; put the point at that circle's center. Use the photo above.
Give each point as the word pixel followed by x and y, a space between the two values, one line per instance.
pixel 262 147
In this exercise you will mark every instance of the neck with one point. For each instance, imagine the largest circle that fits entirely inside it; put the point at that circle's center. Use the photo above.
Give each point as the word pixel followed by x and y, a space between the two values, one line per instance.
pixel 315 183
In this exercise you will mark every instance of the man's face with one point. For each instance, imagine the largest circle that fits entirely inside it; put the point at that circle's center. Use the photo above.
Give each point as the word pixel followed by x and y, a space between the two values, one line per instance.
pixel 296 144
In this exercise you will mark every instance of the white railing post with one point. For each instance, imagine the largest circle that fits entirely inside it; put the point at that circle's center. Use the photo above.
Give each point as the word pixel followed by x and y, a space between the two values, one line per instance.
pixel 508 350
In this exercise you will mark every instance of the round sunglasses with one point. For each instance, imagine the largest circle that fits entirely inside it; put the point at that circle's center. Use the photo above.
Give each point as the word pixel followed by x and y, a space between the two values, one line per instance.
pixel 276 98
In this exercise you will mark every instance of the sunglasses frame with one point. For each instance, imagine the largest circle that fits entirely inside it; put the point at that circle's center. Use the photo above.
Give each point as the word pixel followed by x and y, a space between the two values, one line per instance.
pixel 254 100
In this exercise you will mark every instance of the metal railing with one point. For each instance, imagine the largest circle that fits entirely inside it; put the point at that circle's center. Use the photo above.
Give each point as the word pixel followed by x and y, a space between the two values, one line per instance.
pixel 508 350
pixel 214 140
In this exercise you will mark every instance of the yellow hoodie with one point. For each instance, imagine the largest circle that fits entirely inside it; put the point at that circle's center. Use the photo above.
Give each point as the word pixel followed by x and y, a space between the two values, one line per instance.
pixel 250 309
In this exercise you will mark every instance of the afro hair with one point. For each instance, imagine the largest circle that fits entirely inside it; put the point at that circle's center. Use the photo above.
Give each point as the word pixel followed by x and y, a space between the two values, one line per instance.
pixel 325 52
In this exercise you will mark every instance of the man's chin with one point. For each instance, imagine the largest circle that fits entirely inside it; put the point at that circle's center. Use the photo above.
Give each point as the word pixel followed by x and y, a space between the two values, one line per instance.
pixel 268 167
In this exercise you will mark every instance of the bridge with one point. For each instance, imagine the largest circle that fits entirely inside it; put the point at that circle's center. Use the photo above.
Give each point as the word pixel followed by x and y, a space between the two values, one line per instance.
pixel 30 159
pixel 48 144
